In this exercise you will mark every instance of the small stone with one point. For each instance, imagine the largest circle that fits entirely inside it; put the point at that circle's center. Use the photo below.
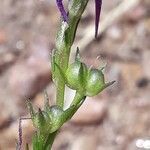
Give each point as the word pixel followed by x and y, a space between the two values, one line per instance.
pixel 92 111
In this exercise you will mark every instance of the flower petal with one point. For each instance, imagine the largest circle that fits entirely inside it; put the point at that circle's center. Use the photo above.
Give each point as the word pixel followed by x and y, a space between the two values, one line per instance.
pixel 98 4
pixel 62 10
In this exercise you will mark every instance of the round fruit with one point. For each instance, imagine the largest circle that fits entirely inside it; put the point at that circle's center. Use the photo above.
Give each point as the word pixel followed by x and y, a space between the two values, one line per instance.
pixel 95 82
pixel 76 75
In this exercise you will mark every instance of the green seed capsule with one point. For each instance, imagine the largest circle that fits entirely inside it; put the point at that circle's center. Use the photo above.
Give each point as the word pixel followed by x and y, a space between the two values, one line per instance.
pixel 95 82
pixel 76 75
pixel 51 120
pixel 55 113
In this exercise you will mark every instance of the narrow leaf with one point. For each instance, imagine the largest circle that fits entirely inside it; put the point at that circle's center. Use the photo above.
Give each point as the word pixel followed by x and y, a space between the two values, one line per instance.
pixel 30 108
pixel 46 101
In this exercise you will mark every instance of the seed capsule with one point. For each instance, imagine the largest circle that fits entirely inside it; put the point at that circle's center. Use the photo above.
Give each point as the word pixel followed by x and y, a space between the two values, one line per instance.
pixel 95 82
pixel 76 75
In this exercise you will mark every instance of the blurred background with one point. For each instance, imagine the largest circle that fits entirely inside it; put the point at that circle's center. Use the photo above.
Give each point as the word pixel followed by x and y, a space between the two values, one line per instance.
pixel 116 119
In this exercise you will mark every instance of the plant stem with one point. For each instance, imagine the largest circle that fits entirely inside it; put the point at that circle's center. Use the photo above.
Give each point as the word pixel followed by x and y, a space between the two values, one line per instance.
pixel 43 142
pixel 50 141
pixel 78 98
pixel 64 40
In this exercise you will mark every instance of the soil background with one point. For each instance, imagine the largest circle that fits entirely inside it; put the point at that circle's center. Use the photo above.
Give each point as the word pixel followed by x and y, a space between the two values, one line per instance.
pixel 116 119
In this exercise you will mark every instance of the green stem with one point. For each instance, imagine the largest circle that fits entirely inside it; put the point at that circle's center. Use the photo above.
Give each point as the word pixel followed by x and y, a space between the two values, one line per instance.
pixel 43 142
pixel 64 40
pixel 78 98
pixel 50 141
pixel 38 141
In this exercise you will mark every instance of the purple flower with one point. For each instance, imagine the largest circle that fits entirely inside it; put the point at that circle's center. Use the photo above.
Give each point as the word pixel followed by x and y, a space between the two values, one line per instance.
pixel 98 4
pixel 62 10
